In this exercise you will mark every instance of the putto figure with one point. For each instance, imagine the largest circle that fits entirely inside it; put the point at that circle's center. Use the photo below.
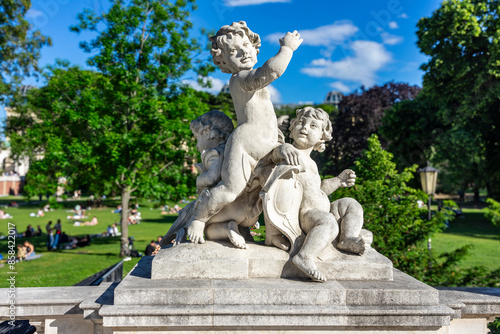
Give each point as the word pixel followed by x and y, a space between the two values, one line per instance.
pixel 211 131
pixel 234 50
pixel 319 219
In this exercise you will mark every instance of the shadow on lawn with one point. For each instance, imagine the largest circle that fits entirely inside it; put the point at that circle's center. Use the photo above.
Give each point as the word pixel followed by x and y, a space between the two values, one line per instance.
pixel 81 251
pixel 473 225
pixel 164 219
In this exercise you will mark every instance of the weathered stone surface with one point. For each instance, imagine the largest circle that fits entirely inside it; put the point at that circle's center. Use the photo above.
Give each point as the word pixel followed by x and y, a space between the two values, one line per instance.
pixel 191 304
pixel 48 301
pixel 101 295
pixel 403 290
pixel 221 260
pixel 141 305
pixel 471 302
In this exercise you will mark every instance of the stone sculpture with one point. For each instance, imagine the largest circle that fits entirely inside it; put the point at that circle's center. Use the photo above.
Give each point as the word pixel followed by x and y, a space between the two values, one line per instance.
pixel 319 219
pixel 251 169
pixel 234 50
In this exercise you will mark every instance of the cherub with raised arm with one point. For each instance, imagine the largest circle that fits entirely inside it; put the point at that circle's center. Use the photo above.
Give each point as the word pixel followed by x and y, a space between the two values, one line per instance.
pixel 234 50
pixel 319 219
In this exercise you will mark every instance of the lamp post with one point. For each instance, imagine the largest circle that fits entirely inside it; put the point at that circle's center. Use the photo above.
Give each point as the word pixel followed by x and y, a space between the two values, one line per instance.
pixel 428 178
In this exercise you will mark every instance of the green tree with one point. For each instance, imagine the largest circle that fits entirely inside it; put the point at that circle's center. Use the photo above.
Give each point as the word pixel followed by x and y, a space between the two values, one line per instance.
pixel 359 116
pixel 126 125
pixel 400 228
pixel 493 211
pixel 463 77
pixel 144 48
pixel 19 47
pixel 411 129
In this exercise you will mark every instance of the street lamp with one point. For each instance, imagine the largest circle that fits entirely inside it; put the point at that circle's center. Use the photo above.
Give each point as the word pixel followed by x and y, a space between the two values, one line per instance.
pixel 428 178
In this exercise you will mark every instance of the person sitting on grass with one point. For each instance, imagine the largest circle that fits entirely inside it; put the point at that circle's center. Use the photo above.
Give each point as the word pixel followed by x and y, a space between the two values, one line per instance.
pixel 30 250
pixel 150 248
pixel 30 231
pixel 92 222
pixel 117 210
pixel 21 252
pixel 4 215
pixel 115 230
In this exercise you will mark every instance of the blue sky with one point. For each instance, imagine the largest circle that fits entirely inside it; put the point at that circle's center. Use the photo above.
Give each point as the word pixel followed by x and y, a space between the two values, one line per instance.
pixel 346 43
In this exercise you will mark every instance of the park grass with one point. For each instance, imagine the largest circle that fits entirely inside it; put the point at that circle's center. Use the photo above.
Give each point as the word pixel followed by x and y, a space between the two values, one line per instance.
pixel 474 229
pixel 68 267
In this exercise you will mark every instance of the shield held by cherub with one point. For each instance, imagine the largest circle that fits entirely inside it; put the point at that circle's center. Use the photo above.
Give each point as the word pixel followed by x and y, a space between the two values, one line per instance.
pixel 281 197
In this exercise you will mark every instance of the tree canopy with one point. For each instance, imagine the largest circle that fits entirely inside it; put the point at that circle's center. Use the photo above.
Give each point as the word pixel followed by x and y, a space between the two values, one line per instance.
pixel 400 228
pixel 359 116
pixel 462 76
pixel 126 125
pixel 19 46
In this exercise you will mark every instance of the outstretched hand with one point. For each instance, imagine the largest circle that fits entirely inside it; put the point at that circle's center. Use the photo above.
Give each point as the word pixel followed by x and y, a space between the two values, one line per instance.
pixel 347 178
pixel 291 40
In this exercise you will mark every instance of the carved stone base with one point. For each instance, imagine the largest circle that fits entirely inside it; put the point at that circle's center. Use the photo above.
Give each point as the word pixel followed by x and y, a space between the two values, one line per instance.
pixel 143 304
pixel 214 260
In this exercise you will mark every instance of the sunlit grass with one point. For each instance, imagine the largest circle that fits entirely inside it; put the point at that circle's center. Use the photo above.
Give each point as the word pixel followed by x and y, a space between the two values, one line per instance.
pixel 67 267
pixel 474 230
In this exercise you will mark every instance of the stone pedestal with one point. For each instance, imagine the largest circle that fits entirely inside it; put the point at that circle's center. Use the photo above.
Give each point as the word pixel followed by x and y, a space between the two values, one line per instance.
pixel 215 303
pixel 216 287
pixel 221 260
pixel 142 304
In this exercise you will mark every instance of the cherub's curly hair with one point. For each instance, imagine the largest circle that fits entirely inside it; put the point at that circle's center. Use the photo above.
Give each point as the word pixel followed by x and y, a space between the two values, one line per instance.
pixel 220 39
pixel 218 123
pixel 318 114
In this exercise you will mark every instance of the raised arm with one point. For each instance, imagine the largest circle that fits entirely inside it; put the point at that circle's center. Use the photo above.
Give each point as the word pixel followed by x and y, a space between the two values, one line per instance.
pixel 274 67
pixel 345 179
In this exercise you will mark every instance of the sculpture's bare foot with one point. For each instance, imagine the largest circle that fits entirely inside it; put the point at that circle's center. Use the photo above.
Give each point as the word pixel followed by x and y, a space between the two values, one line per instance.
pixel 352 245
pixel 195 232
pixel 234 235
pixel 278 241
pixel 309 268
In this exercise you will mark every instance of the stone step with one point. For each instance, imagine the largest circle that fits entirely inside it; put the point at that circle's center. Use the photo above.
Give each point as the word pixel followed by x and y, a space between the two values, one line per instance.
pixel 138 289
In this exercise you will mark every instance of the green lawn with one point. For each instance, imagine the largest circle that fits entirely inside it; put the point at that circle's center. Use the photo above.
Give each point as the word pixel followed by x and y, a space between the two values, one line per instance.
pixel 474 229
pixel 67 267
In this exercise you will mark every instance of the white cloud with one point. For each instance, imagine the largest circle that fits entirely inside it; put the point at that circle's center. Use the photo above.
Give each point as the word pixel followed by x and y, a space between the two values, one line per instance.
pixel 368 57
pixel 403 16
pixel 33 13
pixel 391 39
pixel 239 3
pixel 393 25
pixel 215 89
pixel 329 35
pixel 340 86
pixel 275 94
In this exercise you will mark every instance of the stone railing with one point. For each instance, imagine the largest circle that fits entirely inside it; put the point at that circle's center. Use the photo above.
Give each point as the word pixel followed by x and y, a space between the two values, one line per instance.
pixel 140 304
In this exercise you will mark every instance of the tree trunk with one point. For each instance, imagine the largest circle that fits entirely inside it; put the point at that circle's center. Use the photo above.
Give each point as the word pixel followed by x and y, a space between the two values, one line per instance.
pixel 476 194
pixel 489 189
pixel 124 250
